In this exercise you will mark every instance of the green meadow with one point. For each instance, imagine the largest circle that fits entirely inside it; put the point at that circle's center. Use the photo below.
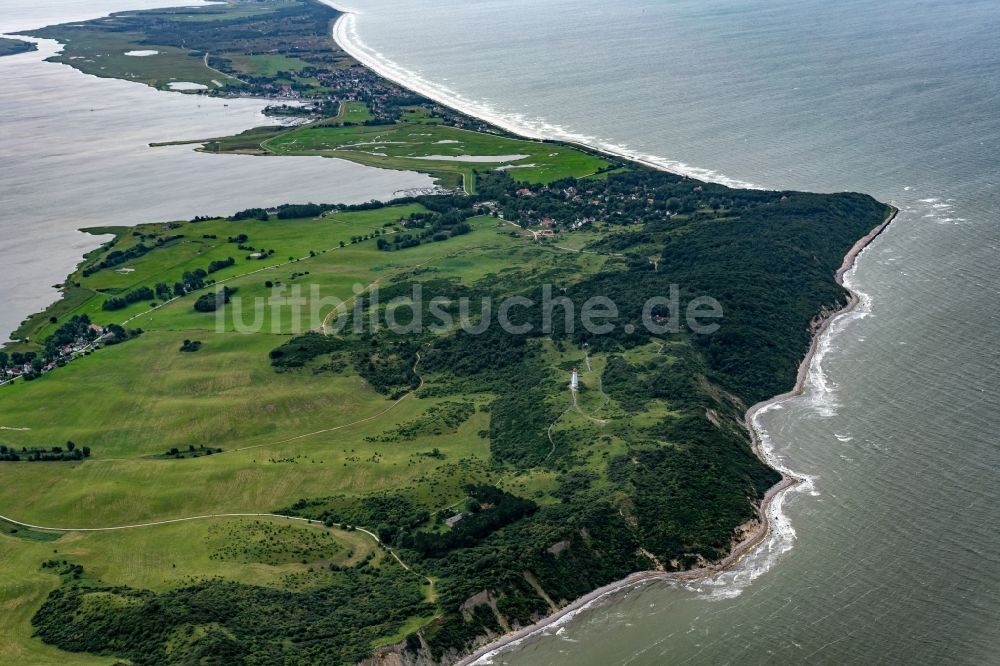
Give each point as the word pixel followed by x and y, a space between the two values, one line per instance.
pixel 354 112
pixel 104 54
pixel 283 435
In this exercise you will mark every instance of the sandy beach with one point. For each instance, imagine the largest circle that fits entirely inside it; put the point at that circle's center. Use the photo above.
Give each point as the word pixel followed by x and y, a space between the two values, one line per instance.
pixel 346 36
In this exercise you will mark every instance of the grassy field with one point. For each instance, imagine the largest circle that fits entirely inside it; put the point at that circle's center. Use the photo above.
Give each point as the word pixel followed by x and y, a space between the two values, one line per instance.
pixel 355 112
pixel 283 436
pixel 263 551
pixel 104 55
pixel 269 64
pixel 418 146
pixel 204 242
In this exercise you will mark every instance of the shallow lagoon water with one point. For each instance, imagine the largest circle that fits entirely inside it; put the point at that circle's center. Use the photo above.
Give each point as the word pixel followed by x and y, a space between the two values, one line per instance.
pixel 74 152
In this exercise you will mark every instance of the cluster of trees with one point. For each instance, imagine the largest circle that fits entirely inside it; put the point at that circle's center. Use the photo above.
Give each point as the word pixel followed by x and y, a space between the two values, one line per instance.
pixel 388 512
pixel 433 226
pixel 191 281
pixel 115 334
pixel 510 367
pixel 438 419
pixel 198 278
pixel 282 212
pixel 384 360
pixel 387 363
pixel 250 214
pixel 491 510
pixel 134 296
pixel 671 378
pixel 116 258
pixel 213 301
pixel 297 211
pixel 191 452
pixel 333 623
pixel 36 454
pixel 301 350
pixel 219 264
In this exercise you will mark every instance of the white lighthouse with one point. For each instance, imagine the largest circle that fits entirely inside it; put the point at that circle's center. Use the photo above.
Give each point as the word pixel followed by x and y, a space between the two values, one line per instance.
pixel 574 380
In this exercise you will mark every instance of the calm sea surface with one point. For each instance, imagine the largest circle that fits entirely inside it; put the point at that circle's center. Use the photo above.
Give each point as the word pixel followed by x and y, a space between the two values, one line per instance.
pixel 74 153
pixel 891 553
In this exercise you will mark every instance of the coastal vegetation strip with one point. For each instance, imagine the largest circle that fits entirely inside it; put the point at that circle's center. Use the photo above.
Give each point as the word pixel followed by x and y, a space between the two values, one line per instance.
pixel 284 50
pixel 9 46
pixel 507 492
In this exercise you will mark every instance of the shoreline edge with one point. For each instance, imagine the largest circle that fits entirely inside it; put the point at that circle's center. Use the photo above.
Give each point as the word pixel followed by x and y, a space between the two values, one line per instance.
pixel 763 529
pixel 788 480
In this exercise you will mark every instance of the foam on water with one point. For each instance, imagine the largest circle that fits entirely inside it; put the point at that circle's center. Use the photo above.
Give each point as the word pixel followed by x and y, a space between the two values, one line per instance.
pixel 820 391
pixel 345 33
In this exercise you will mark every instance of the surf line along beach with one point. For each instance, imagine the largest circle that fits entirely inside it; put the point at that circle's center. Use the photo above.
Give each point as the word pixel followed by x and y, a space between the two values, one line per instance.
pixel 346 36
pixel 768 512
pixel 765 520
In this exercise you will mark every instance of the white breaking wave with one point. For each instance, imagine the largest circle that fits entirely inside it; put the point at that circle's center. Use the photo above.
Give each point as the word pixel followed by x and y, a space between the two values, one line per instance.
pixel 820 391
pixel 345 33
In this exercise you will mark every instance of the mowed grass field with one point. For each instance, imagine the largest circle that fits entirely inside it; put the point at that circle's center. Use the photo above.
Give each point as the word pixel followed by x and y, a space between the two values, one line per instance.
pixel 355 112
pixel 419 146
pixel 284 435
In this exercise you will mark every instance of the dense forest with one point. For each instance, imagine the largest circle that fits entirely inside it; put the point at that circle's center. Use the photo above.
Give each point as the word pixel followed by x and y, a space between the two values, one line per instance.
pixel 221 622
